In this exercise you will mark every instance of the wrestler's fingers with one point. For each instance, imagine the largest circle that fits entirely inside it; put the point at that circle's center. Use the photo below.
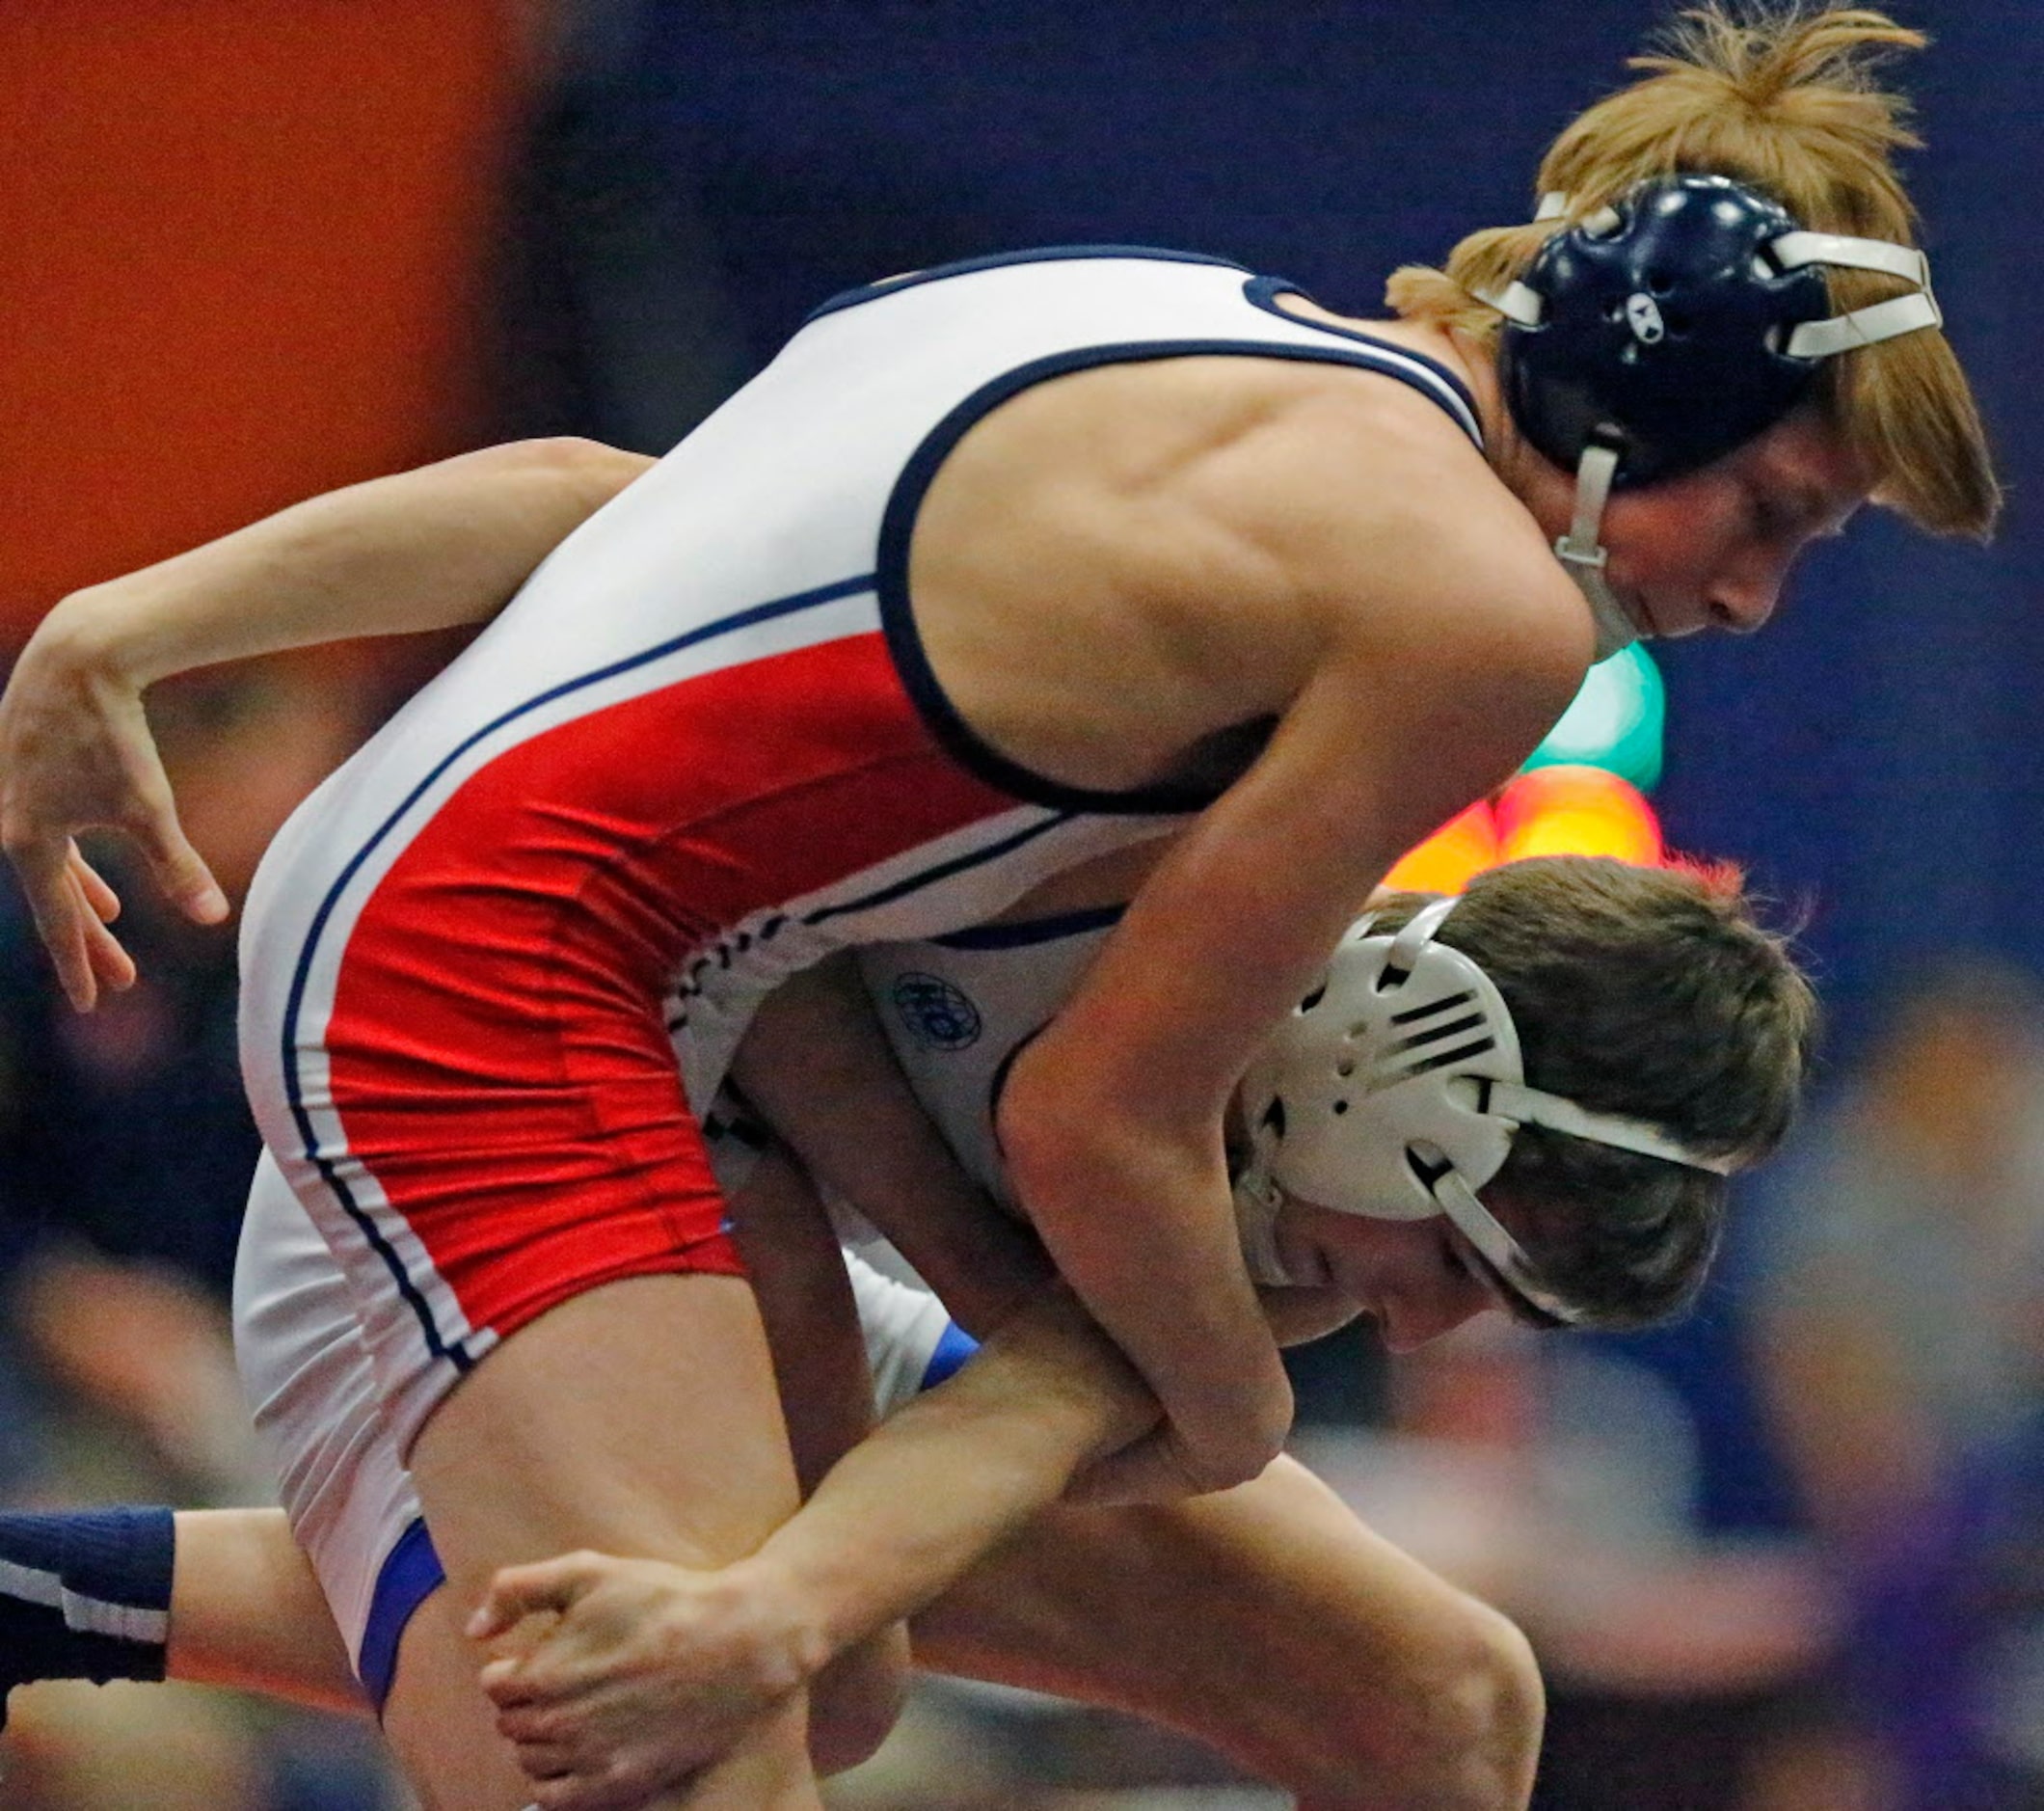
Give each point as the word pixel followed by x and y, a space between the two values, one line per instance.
pixel 110 965
pixel 614 1786
pixel 521 1591
pixel 101 898
pixel 545 1760
pixel 59 908
pixel 179 869
pixel 507 1682
pixel 543 1725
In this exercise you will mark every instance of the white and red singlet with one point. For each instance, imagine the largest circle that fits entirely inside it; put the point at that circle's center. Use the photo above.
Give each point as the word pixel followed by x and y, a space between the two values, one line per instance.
pixel 700 749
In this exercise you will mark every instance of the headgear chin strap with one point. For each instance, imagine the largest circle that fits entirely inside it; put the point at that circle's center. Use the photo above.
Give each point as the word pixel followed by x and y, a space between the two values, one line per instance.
pixel 1583 558
pixel 1663 330
pixel 1394 1089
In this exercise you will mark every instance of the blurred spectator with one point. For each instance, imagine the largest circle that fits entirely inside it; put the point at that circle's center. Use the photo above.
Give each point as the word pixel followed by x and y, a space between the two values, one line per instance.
pixel 125 1149
pixel 1993 1600
pixel 1897 1323
pixel 126 1145
pixel 613 316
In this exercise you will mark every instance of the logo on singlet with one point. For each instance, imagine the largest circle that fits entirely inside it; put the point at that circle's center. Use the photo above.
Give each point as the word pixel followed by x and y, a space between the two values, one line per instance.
pixel 936 1015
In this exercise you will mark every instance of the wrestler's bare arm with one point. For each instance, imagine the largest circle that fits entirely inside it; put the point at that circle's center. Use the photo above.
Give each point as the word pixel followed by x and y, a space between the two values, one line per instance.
pixel 647 1667
pixel 818 1067
pixel 697 1701
pixel 431 548
pixel 246 1610
pixel 1435 642
pixel 633 1672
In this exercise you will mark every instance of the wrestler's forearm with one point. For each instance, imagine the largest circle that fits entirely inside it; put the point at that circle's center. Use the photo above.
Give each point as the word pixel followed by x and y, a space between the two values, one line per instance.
pixel 1140 1220
pixel 805 1300
pixel 817 1067
pixel 434 548
pixel 247 1611
pixel 952 1475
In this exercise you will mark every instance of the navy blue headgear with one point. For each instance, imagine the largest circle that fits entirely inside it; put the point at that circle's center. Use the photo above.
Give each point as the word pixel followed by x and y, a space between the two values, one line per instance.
pixel 1664 331
pixel 1661 329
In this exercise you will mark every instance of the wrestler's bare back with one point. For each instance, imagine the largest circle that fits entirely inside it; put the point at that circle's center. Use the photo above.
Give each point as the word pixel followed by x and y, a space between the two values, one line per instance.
pixel 1124 576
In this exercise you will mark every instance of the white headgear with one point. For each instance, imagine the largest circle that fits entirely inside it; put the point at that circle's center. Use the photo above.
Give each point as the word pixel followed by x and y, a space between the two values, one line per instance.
pixel 1393 1089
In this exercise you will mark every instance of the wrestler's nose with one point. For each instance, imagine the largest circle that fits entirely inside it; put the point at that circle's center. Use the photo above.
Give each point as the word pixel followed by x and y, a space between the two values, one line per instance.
pixel 1742 601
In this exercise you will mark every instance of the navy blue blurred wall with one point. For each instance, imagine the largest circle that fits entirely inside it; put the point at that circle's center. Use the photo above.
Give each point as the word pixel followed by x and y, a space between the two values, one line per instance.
pixel 1876 755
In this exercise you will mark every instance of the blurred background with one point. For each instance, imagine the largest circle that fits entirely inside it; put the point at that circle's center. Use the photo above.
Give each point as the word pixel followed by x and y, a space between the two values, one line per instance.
pixel 1786 1556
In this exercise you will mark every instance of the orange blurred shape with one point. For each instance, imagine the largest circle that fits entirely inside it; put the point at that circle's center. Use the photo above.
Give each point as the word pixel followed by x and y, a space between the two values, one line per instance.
pixel 1446 862
pixel 1577 811
pixel 245 254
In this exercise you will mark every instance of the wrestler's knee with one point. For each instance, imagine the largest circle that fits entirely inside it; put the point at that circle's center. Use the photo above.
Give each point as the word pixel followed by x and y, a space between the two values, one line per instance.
pixel 854 1701
pixel 1459 1731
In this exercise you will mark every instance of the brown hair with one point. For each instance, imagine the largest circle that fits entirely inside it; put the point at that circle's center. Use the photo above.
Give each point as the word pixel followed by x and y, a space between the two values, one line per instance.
pixel 1650 993
pixel 1783 99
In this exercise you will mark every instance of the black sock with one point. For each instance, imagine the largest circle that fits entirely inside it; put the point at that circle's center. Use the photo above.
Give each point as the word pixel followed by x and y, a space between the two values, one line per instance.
pixel 84 1594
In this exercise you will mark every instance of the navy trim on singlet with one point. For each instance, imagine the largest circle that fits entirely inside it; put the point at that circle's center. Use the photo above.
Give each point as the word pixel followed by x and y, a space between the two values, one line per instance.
pixel 996 260
pixel 996 1083
pixel 943 871
pixel 1263 292
pixel 455 1354
pixel 959 739
pixel 719 954
pixel 410 1574
pixel 1022 932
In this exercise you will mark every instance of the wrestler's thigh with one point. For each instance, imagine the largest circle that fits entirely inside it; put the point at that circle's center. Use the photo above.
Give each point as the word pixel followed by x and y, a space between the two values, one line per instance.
pixel 1266 1620
pixel 440 1725
pixel 638 1418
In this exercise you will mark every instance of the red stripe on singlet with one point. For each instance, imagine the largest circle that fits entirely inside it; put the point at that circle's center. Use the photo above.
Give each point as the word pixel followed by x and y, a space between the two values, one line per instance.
pixel 498 1056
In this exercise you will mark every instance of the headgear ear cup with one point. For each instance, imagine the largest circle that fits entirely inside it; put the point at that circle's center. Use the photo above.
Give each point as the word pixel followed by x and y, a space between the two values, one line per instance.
pixel 1357 1072
pixel 1666 329
pixel 1660 329
pixel 1395 1090
pixel 1681 321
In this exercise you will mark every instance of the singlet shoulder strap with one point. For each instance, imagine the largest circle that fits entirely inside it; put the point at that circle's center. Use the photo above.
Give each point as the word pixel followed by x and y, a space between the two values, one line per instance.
pixel 999 260
pixel 1219 325
pixel 1429 376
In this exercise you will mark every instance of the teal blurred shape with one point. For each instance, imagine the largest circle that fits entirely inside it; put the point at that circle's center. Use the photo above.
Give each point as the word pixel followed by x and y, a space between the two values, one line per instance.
pixel 1615 722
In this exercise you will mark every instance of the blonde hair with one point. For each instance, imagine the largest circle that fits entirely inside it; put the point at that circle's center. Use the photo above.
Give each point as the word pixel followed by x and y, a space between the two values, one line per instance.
pixel 1784 99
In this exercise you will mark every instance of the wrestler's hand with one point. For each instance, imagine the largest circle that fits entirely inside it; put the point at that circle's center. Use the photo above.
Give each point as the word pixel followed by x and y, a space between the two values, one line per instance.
pixel 75 754
pixel 650 1672
pixel 1154 1470
pixel 1149 1471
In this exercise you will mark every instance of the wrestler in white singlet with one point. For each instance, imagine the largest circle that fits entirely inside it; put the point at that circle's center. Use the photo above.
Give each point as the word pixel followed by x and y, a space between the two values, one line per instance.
pixel 701 749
